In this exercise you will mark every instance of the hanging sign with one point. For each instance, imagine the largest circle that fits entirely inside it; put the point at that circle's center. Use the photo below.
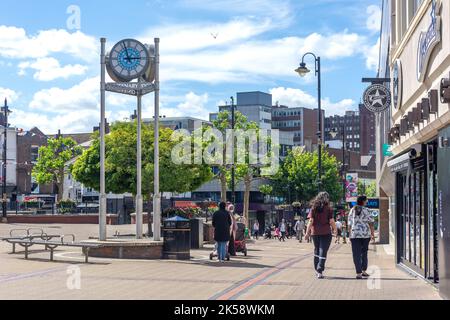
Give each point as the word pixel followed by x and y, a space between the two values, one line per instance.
pixel 351 186
pixel 377 98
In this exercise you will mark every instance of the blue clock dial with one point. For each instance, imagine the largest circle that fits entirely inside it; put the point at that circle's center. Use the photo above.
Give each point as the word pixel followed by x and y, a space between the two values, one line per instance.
pixel 128 60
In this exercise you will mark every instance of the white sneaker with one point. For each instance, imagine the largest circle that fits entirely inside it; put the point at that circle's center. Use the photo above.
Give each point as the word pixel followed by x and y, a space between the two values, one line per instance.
pixel 320 276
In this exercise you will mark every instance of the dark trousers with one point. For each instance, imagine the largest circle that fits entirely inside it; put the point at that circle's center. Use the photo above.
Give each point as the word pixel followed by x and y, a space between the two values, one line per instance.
pixel 231 247
pixel 321 246
pixel 360 249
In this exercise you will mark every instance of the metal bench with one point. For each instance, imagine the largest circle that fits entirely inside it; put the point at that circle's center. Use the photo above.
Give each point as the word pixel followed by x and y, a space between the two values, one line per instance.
pixel 52 245
pixel 28 234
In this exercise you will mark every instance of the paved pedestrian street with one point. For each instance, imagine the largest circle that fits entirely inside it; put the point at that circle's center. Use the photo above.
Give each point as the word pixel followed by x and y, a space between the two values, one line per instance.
pixel 273 270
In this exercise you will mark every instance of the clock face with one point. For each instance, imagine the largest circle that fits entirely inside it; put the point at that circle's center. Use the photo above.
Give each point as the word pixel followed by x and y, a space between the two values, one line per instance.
pixel 129 59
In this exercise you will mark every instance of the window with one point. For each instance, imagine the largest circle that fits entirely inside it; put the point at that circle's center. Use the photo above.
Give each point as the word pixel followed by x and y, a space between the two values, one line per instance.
pixel 34 153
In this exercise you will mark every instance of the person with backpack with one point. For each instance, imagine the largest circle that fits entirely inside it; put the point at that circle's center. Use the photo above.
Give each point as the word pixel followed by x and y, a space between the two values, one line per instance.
pixel 321 228
pixel 361 230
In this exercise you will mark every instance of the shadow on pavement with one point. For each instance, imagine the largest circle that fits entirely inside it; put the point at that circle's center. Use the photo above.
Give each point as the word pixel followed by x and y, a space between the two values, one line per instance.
pixel 230 264
pixel 354 279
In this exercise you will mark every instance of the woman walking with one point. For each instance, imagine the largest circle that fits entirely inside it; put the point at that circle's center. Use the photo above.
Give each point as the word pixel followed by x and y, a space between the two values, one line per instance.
pixel 320 227
pixel 361 229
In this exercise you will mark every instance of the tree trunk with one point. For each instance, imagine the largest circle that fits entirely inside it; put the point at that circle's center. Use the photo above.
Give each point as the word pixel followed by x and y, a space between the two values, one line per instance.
pixel 248 185
pixel 223 184
pixel 60 185
pixel 150 204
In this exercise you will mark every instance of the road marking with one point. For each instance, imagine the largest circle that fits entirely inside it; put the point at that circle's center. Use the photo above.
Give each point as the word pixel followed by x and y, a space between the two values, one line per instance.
pixel 234 292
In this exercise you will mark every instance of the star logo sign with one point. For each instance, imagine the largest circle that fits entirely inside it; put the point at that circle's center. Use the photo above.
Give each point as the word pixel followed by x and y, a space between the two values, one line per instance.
pixel 377 99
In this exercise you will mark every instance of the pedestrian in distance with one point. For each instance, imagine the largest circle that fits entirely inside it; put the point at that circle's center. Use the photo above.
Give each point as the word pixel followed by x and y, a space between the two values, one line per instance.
pixel 277 233
pixel 283 230
pixel 256 230
pixel 361 227
pixel 222 223
pixel 339 232
pixel 344 232
pixel 233 230
pixel 299 229
pixel 321 228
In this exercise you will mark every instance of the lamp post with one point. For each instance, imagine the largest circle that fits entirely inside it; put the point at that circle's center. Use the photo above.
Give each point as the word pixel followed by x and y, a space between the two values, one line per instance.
pixel 303 71
pixel 334 134
pixel 233 170
pixel 6 112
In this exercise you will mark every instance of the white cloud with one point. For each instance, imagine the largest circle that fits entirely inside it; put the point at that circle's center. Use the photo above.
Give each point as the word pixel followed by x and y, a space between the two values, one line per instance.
pixel 48 69
pixel 193 106
pixel 374 18
pixel 80 97
pixel 295 98
pixel 278 9
pixel 9 94
pixel 15 43
pixel 188 37
pixel 372 56
pixel 249 60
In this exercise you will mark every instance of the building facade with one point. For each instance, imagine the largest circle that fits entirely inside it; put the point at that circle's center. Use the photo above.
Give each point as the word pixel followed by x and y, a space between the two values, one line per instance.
pixel 301 122
pixel 416 176
pixel 358 128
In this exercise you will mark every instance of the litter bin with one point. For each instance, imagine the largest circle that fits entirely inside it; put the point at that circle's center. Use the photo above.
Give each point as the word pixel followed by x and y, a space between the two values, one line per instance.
pixel 177 239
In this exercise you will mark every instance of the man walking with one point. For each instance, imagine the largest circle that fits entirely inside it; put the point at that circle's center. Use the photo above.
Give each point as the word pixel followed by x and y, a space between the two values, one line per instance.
pixel 222 224
pixel 256 230
pixel 299 229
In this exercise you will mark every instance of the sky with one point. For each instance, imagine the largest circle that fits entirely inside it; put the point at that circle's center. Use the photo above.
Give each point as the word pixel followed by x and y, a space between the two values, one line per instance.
pixel 50 55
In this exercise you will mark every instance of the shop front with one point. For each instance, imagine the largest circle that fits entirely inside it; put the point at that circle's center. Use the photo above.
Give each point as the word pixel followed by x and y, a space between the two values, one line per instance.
pixel 417 210
pixel 419 62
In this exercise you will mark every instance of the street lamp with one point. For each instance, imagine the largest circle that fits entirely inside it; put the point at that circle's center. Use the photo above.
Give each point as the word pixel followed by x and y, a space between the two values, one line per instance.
pixel 6 113
pixel 303 71
pixel 334 133
pixel 233 169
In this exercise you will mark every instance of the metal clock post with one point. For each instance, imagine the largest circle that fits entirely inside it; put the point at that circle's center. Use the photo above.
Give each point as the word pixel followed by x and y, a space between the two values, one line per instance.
pixel 130 60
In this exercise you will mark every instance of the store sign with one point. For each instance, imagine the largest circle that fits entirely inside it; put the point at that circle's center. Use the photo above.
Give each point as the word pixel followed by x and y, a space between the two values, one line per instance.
pixel 377 98
pixel 387 152
pixel 351 187
pixel 428 41
pixel 397 83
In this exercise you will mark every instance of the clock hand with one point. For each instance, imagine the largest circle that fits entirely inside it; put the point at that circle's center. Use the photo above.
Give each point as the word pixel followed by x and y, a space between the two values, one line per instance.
pixel 126 50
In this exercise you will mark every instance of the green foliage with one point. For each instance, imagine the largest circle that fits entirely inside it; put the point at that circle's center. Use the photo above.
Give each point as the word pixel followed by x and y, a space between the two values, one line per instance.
pixel 187 213
pixel 121 159
pixel 266 189
pixel 53 157
pixel 66 206
pixel 369 190
pixel 297 179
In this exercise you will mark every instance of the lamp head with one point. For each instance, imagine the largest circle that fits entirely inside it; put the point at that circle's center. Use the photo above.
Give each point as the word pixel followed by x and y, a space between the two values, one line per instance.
pixel 334 133
pixel 302 70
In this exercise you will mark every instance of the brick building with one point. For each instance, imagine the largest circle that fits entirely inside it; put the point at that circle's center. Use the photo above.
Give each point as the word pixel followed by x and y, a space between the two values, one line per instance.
pixel 359 130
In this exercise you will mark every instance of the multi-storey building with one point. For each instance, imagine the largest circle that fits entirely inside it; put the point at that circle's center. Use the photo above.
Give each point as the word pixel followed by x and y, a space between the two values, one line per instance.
pixel 359 130
pixel 415 54
pixel 301 122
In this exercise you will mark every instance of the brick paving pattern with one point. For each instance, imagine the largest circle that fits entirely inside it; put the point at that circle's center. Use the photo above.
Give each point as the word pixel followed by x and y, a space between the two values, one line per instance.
pixel 273 270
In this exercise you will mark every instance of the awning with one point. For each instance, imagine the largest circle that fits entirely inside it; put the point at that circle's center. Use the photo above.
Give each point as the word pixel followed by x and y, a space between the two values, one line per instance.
pixel 400 163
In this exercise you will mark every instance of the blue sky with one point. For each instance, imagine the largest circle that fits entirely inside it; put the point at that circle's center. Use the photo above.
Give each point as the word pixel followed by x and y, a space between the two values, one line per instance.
pixel 49 68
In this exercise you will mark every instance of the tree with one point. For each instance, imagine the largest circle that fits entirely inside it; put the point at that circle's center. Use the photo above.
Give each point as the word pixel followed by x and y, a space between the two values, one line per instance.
pixel 369 190
pixel 51 165
pixel 222 124
pixel 297 178
pixel 121 159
